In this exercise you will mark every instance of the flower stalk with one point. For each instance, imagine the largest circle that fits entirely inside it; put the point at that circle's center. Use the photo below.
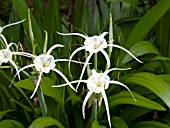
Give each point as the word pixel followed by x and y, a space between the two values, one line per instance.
pixel 42 102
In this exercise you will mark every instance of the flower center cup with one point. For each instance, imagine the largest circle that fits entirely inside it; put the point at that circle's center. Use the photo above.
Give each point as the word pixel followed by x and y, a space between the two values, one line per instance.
pixel 98 82
pixel 5 56
pixel 95 43
pixel 44 63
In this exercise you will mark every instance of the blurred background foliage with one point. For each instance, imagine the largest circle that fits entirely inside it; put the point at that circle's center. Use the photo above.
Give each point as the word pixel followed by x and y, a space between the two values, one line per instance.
pixel 141 26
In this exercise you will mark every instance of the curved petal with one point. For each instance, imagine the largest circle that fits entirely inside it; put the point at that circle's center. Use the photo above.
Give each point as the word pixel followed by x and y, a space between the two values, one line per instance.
pixel 73 34
pixel 119 83
pixel 37 85
pixel 72 82
pixel 16 68
pixel 85 101
pixel 45 43
pixel 107 58
pixel 103 34
pixel 53 47
pixel 62 75
pixel 28 66
pixel 114 69
pixel 4 39
pixel 24 54
pixel 75 51
pixel 107 106
pixel 117 46
pixel 74 61
pixel 13 24
pixel 84 67
pixel 9 45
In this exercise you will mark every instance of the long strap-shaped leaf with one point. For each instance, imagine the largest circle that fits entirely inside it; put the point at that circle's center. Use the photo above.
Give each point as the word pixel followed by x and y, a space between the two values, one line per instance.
pixel 147 22
pixel 22 11
pixel 153 83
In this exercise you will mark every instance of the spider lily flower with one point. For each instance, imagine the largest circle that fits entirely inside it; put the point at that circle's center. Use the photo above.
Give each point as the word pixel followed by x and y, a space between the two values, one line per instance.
pixel 6 55
pixel 2 28
pixel 98 83
pixel 95 44
pixel 44 63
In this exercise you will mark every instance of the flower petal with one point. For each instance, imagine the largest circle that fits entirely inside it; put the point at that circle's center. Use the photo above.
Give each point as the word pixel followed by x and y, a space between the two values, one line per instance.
pixel 13 24
pixel 107 106
pixel 85 101
pixel 53 47
pixel 62 75
pixel 74 34
pixel 9 45
pixel 24 54
pixel 117 46
pixel 74 61
pixel 114 69
pixel 45 42
pixel 37 85
pixel 119 83
pixel 16 68
pixel 84 67
pixel 72 82
pixel 75 51
pixel 28 66
pixel 103 34
pixel 4 39
pixel 107 59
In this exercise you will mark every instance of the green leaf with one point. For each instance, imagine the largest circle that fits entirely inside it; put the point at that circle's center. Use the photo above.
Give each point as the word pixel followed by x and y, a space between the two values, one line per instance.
pixel 131 2
pixel 96 125
pixel 46 87
pixel 49 19
pixel 2 113
pixel 79 13
pixel 140 48
pixel 150 124
pixel 22 11
pixel 147 22
pixel 131 112
pixel 117 122
pixel 153 83
pixel 22 105
pixel 105 12
pixel 96 20
pixel 10 124
pixel 124 97
pixel 160 58
pixel 45 121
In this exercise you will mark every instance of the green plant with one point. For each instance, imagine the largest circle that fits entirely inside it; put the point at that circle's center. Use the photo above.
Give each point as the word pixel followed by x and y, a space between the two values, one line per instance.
pixel 146 36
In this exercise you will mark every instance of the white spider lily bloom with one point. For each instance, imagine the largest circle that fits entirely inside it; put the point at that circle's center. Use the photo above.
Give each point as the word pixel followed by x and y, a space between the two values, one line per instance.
pixel 6 55
pixel 95 44
pixel 98 83
pixel 2 28
pixel 44 63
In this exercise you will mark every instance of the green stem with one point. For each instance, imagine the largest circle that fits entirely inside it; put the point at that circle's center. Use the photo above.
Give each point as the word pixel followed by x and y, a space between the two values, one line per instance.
pixel 42 103
pixel 94 112
pixel 95 61
pixel 94 106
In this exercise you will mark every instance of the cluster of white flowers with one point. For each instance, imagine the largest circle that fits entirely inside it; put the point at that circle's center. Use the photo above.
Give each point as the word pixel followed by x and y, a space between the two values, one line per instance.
pixel 96 83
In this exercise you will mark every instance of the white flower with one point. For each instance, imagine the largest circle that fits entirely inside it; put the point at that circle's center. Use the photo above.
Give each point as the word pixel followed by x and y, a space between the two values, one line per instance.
pixel 6 55
pixel 93 45
pixel 98 83
pixel 44 63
